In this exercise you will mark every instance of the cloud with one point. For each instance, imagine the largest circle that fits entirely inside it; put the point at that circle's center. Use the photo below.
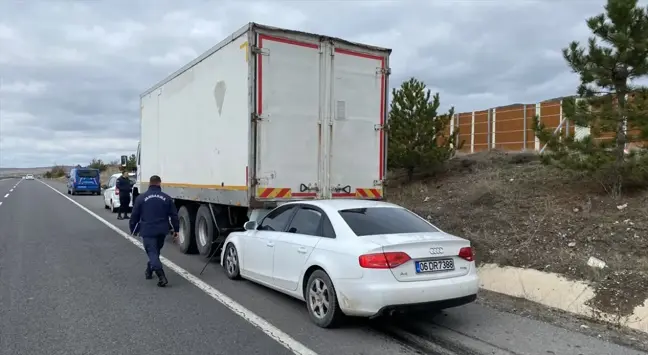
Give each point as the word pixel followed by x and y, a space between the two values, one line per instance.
pixel 72 72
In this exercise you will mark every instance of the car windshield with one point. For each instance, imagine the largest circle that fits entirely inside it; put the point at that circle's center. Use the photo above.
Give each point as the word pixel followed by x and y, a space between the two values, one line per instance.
pixel 133 179
pixel 384 220
pixel 87 173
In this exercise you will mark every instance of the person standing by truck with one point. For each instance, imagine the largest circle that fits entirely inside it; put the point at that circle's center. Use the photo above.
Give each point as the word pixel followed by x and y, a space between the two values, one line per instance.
pixel 124 187
pixel 151 215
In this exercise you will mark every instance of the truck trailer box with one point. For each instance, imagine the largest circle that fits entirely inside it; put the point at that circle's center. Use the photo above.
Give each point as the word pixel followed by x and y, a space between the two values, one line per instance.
pixel 269 114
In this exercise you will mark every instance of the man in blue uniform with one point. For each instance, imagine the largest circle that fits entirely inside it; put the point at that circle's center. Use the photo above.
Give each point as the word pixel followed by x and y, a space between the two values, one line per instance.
pixel 151 214
pixel 124 187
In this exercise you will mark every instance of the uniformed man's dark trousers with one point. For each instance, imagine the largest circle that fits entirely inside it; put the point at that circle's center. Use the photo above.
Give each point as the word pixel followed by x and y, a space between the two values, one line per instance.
pixel 124 201
pixel 153 246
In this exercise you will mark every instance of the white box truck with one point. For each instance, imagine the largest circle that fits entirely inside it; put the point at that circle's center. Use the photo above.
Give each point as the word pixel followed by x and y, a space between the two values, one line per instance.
pixel 268 115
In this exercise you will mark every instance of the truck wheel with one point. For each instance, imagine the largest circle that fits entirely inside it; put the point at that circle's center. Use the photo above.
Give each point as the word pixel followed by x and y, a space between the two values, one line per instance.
pixel 205 231
pixel 186 234
pixel 321 300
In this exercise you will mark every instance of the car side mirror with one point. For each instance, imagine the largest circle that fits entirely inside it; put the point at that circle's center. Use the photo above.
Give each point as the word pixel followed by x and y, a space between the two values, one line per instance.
pixel 250 225
pixel 67 176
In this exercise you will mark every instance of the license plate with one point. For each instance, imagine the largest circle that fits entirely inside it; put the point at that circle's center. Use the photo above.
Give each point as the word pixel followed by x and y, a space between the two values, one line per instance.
pixel 434 265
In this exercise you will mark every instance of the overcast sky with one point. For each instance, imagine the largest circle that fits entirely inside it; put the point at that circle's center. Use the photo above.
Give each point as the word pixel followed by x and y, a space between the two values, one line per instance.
pixel 72 71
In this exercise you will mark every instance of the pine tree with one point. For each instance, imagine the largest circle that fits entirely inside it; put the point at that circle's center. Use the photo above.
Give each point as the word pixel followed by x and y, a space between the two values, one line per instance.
pixel 417 134
pixel 131 163
pixel 608 102
pixel 98 164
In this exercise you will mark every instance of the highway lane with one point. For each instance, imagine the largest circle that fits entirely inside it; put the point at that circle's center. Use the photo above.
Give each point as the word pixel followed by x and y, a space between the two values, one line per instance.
pixel 69 286
pixel 6 185
pixel 472 329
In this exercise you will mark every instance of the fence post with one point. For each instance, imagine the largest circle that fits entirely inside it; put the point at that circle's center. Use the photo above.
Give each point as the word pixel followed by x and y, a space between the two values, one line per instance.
pixel 538 113
pixel 452 125
pixel 455 127
pixel 566 121
pixel 560 121
pixel 494 140
pixel 524 128
pixel 472 133
pixel 626 146
pixel 488 132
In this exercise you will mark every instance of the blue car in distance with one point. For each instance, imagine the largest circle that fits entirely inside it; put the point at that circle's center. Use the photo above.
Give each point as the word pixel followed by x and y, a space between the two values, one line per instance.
pixel 83 180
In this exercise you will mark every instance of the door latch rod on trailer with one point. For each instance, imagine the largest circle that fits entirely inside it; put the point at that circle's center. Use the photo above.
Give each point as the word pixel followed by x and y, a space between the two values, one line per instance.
pixel 345 189
pixel 309 187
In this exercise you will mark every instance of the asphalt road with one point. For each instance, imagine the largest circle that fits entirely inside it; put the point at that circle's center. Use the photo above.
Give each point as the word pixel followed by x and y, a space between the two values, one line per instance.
pixel 71 285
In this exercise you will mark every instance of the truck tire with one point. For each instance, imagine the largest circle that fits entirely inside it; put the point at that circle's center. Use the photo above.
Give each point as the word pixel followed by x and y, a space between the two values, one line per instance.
pixel 186 235
pixel 205 231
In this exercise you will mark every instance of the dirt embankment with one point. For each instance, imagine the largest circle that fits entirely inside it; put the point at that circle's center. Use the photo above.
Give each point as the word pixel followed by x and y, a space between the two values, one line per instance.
pixel 518 212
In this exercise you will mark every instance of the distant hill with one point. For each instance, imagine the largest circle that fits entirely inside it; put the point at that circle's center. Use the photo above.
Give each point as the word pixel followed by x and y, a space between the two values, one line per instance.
pixel 24 171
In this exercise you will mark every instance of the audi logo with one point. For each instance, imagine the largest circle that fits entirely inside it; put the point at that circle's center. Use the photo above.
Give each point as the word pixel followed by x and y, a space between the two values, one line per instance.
pixel 436 250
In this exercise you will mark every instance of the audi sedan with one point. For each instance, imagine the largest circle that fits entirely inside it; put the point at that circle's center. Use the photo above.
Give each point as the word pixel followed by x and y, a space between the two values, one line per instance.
pixel 353 258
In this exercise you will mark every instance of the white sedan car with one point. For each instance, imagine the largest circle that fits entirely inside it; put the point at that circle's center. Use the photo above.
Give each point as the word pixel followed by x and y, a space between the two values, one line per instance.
pixel 353 257
pixel 111 195
pixel 29 177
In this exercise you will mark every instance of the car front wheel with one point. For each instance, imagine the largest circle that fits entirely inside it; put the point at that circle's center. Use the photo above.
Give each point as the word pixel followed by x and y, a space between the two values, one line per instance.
pixel 231 262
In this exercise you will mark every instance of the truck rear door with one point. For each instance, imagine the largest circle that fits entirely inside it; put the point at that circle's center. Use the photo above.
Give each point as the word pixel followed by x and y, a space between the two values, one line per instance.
pixel 288 125
pixel 356 143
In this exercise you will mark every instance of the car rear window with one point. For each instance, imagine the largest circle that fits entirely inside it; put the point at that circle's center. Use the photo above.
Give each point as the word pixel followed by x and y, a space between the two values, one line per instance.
pixel 87 173
pixel 384 220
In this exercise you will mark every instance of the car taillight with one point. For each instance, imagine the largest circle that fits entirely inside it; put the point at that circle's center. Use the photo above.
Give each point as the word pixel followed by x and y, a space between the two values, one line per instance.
pixel 466 253
pixel 116 191
pixel 388 260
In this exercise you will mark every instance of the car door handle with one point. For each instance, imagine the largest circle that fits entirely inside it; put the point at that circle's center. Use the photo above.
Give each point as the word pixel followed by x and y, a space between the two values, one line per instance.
pixel 302 250
pixel 270 244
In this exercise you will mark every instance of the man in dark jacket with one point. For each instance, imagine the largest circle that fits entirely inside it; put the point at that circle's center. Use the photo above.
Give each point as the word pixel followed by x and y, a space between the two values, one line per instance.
pixel 124 187
pixel 151 214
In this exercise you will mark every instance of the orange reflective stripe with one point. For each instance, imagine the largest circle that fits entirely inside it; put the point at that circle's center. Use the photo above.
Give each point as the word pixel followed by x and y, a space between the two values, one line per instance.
pixel 274 192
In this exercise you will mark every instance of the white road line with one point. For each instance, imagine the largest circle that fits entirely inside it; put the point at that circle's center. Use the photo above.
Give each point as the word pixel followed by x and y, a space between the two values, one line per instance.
pixel 273 332
pixel 0 203
pixel 7 195
pixel 11 190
